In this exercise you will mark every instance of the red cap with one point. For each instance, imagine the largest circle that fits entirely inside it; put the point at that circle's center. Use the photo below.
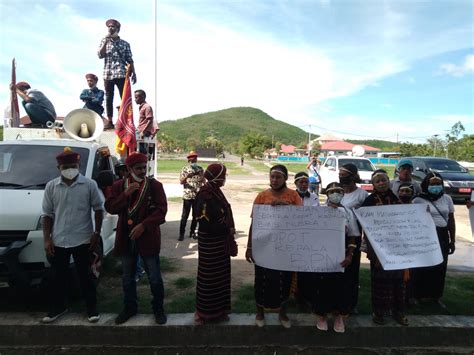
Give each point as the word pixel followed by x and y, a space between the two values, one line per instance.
pixel 68 157
pixel 92 76
pixel 136 158
pixel 112 22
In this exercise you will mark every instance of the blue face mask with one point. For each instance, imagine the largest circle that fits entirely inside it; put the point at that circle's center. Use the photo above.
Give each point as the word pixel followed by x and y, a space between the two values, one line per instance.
pixel 435 189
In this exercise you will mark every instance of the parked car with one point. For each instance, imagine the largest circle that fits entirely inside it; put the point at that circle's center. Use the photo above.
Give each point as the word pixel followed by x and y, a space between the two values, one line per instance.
pixel 329 171
pixel 458 182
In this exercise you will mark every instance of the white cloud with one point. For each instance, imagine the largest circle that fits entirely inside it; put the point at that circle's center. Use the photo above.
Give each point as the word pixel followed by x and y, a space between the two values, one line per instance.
pixel 467 67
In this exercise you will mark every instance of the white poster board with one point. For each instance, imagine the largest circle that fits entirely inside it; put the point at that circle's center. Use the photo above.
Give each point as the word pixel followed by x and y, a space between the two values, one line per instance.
pixel 402 236
pixel 298 238
pixel 471 214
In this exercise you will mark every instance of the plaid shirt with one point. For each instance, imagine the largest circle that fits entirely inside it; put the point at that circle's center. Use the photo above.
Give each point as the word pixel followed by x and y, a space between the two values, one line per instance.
pixel 117 55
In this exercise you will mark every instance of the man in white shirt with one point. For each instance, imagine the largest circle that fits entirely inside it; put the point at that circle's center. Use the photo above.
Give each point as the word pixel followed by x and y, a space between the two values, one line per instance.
pixel 302 183
pixel 405 169
pixel 68 230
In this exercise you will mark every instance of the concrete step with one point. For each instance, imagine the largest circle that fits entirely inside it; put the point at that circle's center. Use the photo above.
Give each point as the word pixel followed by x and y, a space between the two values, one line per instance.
pixel 20 332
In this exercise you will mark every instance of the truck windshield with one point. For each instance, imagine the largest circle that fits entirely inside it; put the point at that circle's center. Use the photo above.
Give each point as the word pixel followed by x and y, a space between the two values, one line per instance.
pixel 362 164
pixel 32 166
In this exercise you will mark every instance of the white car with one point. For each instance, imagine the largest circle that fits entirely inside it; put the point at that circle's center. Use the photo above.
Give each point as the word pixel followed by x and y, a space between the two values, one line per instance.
pixel 329 171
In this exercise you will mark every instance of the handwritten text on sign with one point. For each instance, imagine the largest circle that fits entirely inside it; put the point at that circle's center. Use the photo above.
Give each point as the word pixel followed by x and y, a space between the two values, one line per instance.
pixel 403 236
pixel 298 238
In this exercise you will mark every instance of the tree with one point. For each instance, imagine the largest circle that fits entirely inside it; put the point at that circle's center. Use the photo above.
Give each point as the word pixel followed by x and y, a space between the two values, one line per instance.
pixel 192 143
pixel 315 148
pixel 410 149
pixel 452 139
pixel 213 142
pixel 168 143
pixel 254 144
pixel 436 145
pixel 465 148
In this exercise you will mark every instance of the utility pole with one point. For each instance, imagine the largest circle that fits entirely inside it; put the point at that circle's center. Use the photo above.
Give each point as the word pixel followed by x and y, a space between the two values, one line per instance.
pixel 309 141
pixel 435 141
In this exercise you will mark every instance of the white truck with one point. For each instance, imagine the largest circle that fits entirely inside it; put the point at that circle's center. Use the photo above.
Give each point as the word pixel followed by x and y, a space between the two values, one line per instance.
pixel 26 165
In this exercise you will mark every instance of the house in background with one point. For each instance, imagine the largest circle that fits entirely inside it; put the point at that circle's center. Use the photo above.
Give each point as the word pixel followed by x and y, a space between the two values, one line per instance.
pixel 332 145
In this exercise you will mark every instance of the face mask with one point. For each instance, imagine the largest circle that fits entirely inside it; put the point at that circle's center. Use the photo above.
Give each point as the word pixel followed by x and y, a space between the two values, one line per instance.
pixel 136 178
pixel 435 189
pixel 405 199
pixel 70 174
pixel 346 180
pixel 335 198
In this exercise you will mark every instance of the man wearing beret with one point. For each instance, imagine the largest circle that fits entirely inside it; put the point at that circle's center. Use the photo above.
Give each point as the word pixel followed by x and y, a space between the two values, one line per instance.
pixel 141 205
pixel 37 106
pixel 405 169
pixel 68 230
pixel 117 55
pixel 93 97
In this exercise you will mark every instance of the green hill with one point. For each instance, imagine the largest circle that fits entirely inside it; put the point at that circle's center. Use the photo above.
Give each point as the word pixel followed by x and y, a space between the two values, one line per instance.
pixel 383 145
pixel 231 124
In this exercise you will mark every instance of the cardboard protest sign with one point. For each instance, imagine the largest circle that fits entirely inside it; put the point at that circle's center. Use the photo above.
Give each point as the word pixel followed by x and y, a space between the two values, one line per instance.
pixel 298 238
pixel 402 236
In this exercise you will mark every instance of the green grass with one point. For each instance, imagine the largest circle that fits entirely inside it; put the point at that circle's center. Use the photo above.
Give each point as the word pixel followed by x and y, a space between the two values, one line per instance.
pixel 167 264
pixel 260 166
pixel 183 283
pixel 458 297
pixel 175 199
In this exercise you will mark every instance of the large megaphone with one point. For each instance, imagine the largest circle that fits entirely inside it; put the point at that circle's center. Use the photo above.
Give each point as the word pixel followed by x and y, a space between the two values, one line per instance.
pixel 83 125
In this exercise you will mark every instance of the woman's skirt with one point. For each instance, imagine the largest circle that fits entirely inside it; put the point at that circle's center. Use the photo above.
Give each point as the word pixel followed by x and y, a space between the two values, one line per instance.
pixel 213 293
pixel 323 291
pixel 272 287
pixel 428 282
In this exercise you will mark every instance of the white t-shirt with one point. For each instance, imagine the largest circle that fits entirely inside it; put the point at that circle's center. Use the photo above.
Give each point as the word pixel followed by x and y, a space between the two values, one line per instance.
pixel 312 200
pixel 445 206
pixel 351 201
pixel 354 199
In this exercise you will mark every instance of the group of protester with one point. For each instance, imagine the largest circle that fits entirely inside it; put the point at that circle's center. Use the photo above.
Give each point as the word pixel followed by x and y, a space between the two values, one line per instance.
pixel 325 293
pixel 141 204
pixel 118 59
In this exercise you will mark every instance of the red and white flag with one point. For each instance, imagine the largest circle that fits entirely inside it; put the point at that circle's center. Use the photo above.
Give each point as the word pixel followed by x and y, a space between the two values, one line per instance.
pixel 125 128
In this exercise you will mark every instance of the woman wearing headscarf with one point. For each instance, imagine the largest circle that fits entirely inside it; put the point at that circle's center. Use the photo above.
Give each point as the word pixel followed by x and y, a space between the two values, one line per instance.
pixel 326 291
pixel 428 282
pixel 216 244
pixel 272 287
pixel 388 286
pixel 353 198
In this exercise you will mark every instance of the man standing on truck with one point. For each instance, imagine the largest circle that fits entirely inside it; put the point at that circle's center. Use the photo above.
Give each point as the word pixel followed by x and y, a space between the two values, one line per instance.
pixel 141 205
pixel 93 97
pixel 68 230
pixel 147 126
pixel 37 106
pixel 117 55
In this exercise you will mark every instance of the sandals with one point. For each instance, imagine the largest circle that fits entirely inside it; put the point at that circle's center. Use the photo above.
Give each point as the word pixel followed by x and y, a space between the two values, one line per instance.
pixel 260 321
pixel 401 319
pixel 378 319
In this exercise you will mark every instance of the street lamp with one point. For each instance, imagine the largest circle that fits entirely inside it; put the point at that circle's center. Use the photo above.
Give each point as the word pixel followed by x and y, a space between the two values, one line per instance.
pixel 435 141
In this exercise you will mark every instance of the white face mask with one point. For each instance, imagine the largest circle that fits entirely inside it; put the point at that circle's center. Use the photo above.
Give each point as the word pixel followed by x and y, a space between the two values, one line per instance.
pixel 136 178
pixel 70 173
pixel 335 198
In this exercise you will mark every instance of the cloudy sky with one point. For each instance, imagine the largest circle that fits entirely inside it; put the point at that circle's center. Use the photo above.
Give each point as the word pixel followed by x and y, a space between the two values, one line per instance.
pixel 359 69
